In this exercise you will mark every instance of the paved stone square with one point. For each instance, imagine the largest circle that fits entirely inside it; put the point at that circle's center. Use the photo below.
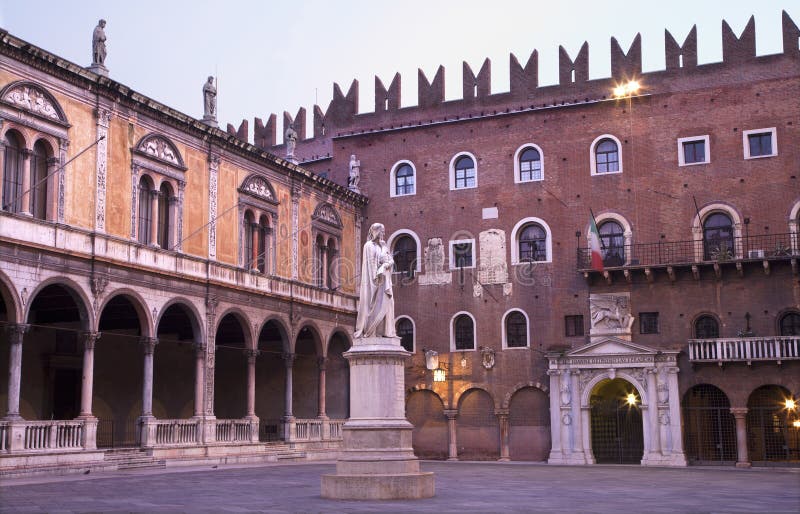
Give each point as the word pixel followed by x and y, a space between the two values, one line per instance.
pixel 460 487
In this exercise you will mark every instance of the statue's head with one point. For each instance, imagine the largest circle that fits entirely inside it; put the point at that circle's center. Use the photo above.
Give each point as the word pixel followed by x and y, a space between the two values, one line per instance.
pixel 210 79
pixel 102 23
pixel 376 232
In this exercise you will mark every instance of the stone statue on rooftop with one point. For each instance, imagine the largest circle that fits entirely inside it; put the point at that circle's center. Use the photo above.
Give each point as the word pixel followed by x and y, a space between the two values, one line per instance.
pixel 99 44
pixel 209 100
pixel 354 175
pixel 375 300
pixel 290 138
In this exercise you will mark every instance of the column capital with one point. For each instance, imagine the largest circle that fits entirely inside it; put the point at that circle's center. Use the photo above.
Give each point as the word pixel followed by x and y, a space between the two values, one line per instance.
pixel 16 332
pixel 90 339
pixel 25 152
pixel 450 414
pixel 322 362
pixel 501 413
pixel 251 354
pixel 149 344
pixel 553 372
pixel 288 359
pixel 739 412
pixel 53 161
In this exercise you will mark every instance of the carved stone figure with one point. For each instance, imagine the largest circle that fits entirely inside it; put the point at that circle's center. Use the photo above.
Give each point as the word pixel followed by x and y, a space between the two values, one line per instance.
pixel 376 301
pixel 99 44
pixel 290 138
pixel 566 394
pixel 209 100
pixel 434 256
pixel 610 312
pixel 355 174
pixel 487 357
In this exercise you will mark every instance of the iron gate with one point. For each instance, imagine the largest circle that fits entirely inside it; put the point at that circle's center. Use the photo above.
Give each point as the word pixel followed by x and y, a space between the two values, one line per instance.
pixel 617 436
pixel 771 438
pixel 113 433
pixel 709 427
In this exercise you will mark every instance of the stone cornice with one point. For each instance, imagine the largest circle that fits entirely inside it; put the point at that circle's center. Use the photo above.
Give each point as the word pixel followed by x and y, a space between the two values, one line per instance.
pixel 37 58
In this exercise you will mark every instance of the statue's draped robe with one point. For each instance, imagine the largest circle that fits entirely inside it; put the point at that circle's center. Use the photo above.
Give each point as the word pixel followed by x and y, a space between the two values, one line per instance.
pixel 376 304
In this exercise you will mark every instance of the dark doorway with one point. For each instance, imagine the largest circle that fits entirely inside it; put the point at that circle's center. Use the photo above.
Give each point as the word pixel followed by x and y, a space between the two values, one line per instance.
pixel 708 426
pixel 617 436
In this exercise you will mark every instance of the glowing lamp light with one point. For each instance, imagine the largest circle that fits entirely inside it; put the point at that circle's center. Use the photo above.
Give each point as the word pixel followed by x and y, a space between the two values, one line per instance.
pixel 790 404
pixel 628 89
pixel 631 399
pixel 439 375
pixel 796 423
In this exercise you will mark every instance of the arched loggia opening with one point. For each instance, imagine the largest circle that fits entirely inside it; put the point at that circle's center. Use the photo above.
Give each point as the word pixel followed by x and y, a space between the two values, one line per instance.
pixel 772 436
pixel 305 374
pixel 117 396
pixel 425 410
pixel 7 318
pixel 709 428
pixel 529 425
pixel 337 383
pixel 52 355
pixel 174 364
pixel 271 367
pixel 230 368
pixel 478 432
pixel 616 423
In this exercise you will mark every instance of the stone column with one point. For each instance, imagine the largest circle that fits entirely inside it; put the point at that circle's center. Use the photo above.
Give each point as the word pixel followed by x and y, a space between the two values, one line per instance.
pixel 740 415
pixel 322 361
pixel 251 382
pixel 578 429
pixel 2 162
pixel 288 362
pixel 200 363
pixel 213 171
pixel 296 230
pixel 25 196
pixel 101 167
pixel 452 444
pixel 16 334
pixel 51 186
pixel 154 217
pixel 556 454
pixel 149 345
pixel 652 415
pixel 254 254
pixel 502 418
pixel 323 257
pixel 677 456
pixel 87 379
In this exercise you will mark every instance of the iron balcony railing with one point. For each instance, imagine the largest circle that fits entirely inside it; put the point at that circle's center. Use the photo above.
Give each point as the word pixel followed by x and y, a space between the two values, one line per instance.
pixel 745 349
pixel 666 253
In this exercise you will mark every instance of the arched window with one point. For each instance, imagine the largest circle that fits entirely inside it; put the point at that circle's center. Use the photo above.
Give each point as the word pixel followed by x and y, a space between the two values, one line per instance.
pixel 263 235
pixel 516 330
pixel 404 328
pixel 718 237
pixel 12 173
pixel 706 327
pixel 404 183
pixel 39 160
pixel 165 200
pixel 790 324
pixel 612 238
pixel 464 332
pixel 606 156
pixel 319 261
pixel 405 255
pixel 530 165
pixel 532 243
pixel 145 218
pixel 465 175
pixel 331 271
pixel 248 223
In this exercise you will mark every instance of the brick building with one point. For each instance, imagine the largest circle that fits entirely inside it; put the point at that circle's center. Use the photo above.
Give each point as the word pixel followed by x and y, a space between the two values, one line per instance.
pixel 691 175
pixel 682 347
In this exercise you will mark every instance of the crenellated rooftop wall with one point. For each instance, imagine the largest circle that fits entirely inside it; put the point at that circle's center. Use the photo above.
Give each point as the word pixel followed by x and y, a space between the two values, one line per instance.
pixel 342 118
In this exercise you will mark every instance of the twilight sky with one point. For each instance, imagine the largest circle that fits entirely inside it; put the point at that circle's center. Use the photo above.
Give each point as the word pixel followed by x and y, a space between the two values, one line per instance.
pixel 273 56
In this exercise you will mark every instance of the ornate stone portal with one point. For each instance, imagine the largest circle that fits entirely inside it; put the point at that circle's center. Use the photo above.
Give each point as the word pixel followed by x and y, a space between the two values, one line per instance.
pixel 377 462
pixel 654 374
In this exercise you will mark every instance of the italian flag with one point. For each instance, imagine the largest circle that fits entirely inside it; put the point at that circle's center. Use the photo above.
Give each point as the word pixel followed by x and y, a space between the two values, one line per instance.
pixel 594 246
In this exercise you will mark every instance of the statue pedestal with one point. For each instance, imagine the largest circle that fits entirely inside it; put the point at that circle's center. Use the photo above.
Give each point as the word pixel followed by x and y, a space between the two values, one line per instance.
pixel 98 68
pixel 377 462
pixel 211 121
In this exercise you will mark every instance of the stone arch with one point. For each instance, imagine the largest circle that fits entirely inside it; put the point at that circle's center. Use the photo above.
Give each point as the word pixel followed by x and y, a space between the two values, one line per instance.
pixel 11 299
pixel 607 375
pixel 341 331
pixel 425 387
pixel 78 293
pixel 699 315
pixel 623 222
pixel 407 232
pixel 425 410
pixel 139 304
pixel 712 208
pixel 316 334
pixel 195 317
pixel 469 386
pixel 258 186
pixel 515 234
pixel 281 324
pixel 244 321
pixel 521 385
pixel 161 148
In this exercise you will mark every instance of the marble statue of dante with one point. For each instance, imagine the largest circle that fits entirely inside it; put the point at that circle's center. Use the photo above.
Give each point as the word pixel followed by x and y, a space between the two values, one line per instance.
pixel 375 300
pixel 99 43
pixel 290 138
pixel 210 99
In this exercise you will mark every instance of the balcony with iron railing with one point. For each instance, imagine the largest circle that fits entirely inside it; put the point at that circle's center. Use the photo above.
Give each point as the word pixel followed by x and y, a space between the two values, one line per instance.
pixel 671 256
pixel 747 349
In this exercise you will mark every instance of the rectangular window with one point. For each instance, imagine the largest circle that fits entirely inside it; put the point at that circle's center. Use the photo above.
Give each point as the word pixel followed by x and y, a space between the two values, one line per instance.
pixel 648 323
pixel 573 325
pixel 693 150
pixel 759 143
pixel 462 253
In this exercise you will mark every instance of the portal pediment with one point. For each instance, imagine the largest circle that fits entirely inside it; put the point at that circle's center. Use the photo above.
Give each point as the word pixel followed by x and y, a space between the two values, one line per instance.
pixel 611 346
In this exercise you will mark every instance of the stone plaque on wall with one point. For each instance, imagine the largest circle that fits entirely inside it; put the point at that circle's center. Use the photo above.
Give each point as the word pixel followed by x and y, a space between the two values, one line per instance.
pixel 492 266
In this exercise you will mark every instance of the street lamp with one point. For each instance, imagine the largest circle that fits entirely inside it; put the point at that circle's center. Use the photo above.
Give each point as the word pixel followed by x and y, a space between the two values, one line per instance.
pixel 628 89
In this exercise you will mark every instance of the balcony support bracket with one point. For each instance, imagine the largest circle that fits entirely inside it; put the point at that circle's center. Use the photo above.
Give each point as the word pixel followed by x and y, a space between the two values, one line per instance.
pixel 671 273
pixel 695 272
pixel 740 268
pixel 766 267
pixel 717 270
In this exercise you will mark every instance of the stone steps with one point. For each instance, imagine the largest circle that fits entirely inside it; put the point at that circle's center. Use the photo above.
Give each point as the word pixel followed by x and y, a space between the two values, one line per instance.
pixel 133 458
